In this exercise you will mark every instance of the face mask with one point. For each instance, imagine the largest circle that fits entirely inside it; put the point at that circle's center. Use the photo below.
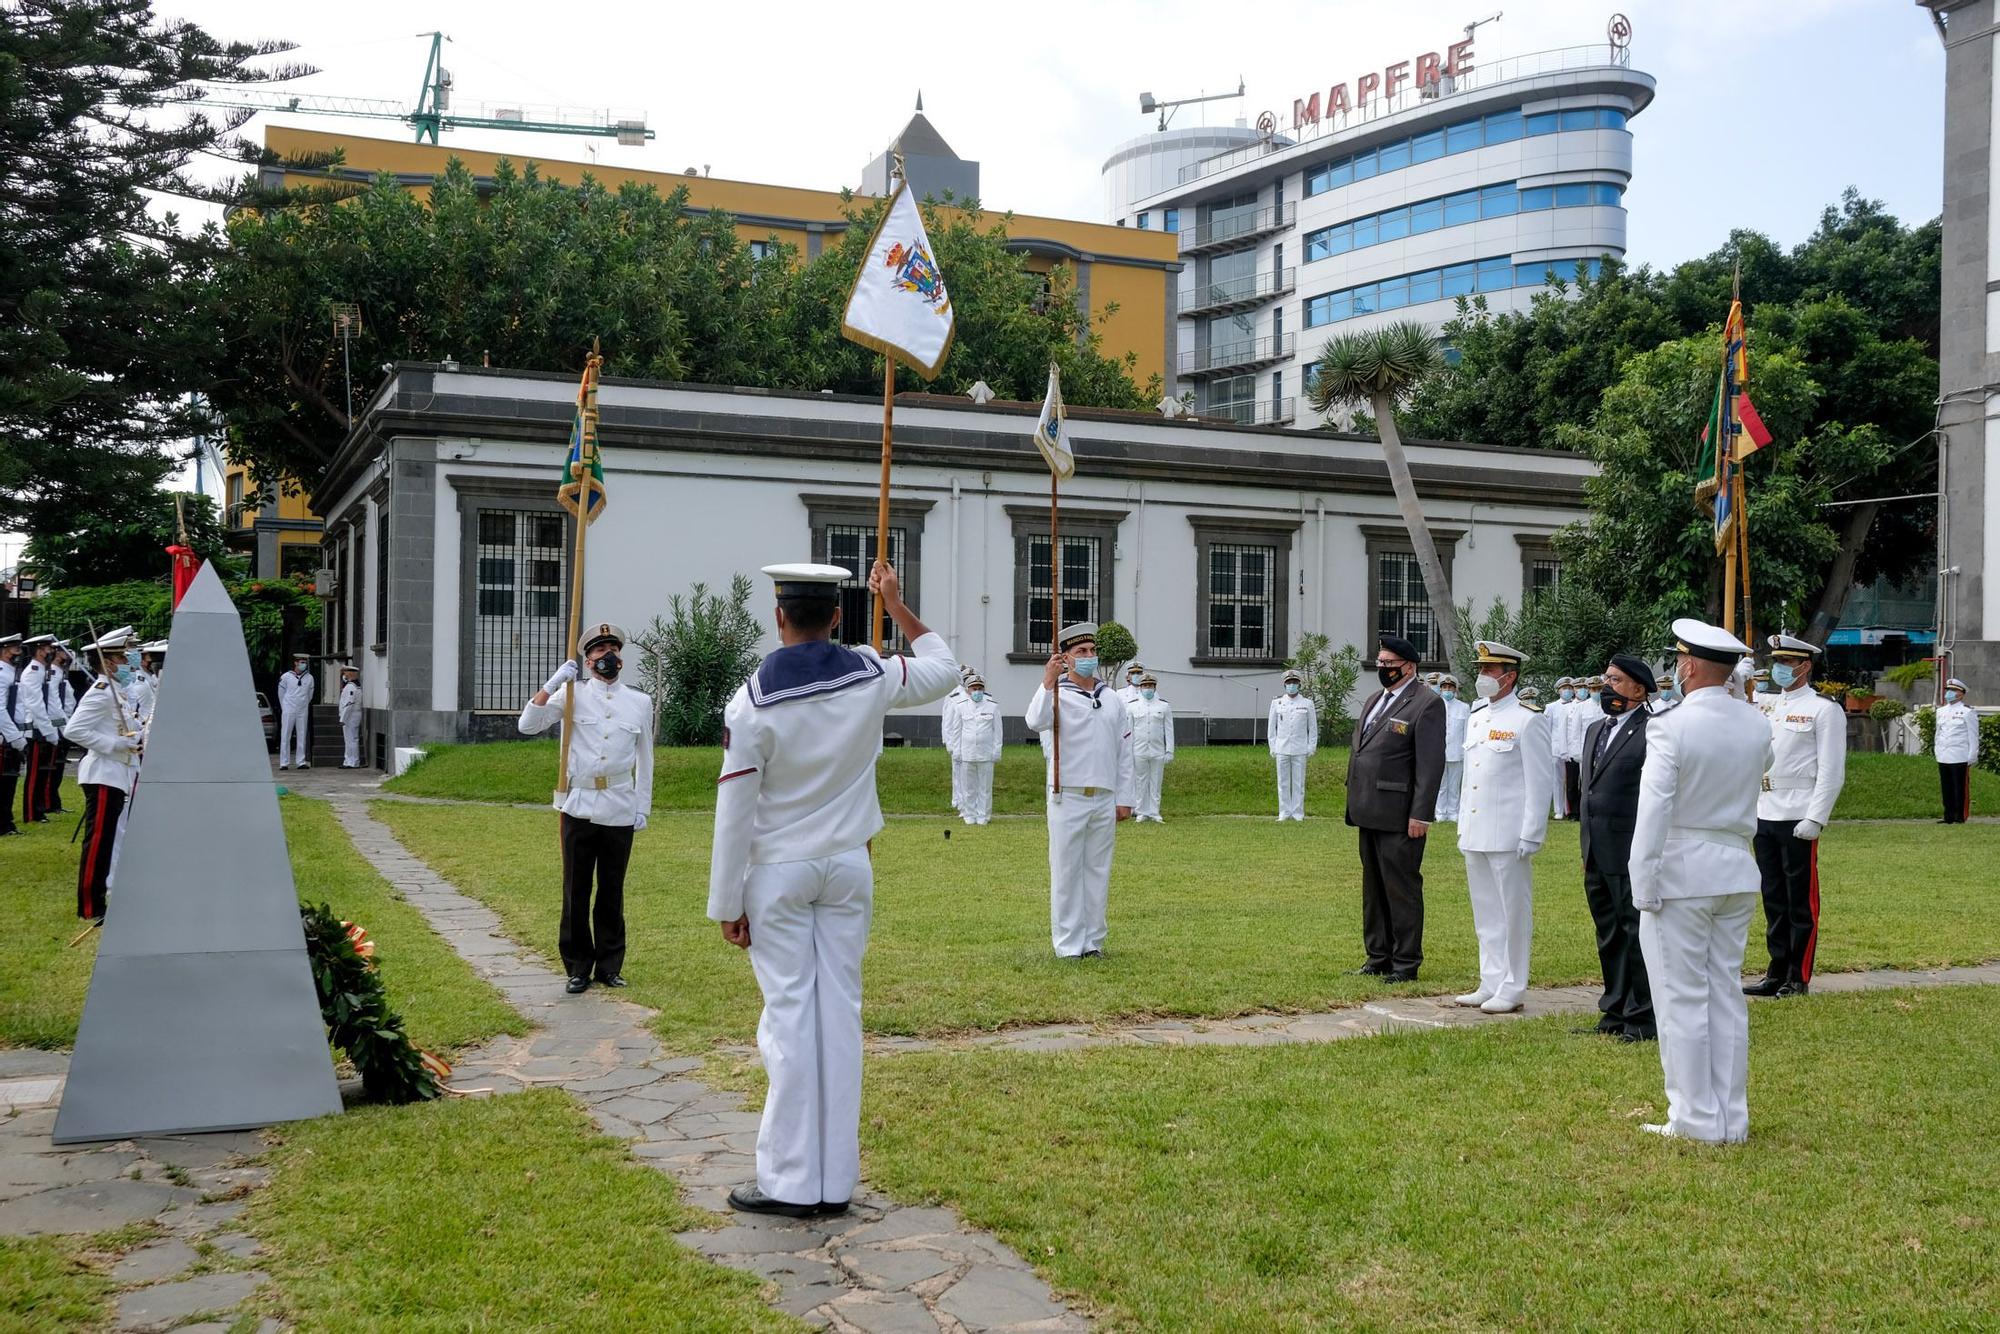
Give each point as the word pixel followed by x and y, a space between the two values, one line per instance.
pixel 978 695
pixel 1086 667
pixel 1783 674
pixel 607 666
pixel 1951 697
pixel 1612 702
pixel 1449 694
pixel 1149 693
pixel 1291 687
pixel 1388 676
pixel 1566 693
pixel 1487 687
pixel 124 675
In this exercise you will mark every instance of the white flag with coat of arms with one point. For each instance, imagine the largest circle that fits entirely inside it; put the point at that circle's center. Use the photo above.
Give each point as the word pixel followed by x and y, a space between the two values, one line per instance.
pixel 1052 430
pixel 899 305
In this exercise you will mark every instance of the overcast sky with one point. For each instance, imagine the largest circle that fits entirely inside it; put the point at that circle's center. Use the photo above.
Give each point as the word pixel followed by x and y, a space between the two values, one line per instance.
pixel 1766 110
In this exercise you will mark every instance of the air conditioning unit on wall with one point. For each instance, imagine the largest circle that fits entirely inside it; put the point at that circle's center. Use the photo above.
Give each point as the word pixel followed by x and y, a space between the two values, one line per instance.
pixel 325 584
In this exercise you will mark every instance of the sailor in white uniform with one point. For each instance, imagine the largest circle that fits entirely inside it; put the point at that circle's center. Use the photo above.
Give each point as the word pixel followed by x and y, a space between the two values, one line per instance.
pixel 1096 790
pixel 1152 748
pixel 948 722
pixel 1456 711
pixel 1955 743
pixel 789 873
pixel 13 737
pixel 979 729
pixel 1694 881
pixel 1503 818
pixel 1559 715
pixel 1133 688
pixel 112 742
pixel 350 716
pixel 1808 767
pixel 1292 733
pixel 295 700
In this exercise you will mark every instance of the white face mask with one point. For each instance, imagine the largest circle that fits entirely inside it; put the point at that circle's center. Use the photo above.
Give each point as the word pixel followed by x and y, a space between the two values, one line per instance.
pixel 1951 697
pixel 1291 687
pixel 1487 686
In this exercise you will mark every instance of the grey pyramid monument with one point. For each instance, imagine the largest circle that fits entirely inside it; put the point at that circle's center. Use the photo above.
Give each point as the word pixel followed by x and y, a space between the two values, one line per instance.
pixel 202 1013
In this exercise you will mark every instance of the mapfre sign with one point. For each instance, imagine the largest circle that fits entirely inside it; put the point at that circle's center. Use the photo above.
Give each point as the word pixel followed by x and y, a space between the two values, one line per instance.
pixel 1426 71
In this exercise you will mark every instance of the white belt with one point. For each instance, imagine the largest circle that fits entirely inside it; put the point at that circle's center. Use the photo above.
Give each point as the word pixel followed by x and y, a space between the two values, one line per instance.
pixel 1081 791
pixel 1722 838
pixel 1789 784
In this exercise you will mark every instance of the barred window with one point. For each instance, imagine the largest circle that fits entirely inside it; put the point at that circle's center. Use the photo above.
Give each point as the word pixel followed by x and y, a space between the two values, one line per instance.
pixel 1240 600
pixel 518 628
pixel 1082 557
pixel 1544 576
pixel 853 547
pixel 1403 605
pixel 382 571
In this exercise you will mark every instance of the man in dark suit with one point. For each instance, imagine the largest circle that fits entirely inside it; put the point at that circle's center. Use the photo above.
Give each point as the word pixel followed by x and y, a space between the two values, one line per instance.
pixel 1393 774
pixel 1614 753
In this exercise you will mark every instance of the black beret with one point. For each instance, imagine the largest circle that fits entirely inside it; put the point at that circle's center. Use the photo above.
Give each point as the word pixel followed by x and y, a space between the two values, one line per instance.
pixel 1401 647
pixel 1637 670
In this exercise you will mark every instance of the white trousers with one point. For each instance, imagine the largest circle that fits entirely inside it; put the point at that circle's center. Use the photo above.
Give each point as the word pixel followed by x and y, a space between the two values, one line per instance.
pixel 1503 917
pixel 350 734
pixel 957 783
pixel 975 798
pixel 1559 798
pixel 1291 787
pixel 808 931
pixel 1147 774
pixel 1082 833
pixel 1454 774
pixel 292 736
pixel 1694 961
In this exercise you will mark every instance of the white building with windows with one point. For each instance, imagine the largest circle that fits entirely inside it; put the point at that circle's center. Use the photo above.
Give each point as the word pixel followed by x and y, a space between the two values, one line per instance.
pixel 1473 180
pixel 1217 545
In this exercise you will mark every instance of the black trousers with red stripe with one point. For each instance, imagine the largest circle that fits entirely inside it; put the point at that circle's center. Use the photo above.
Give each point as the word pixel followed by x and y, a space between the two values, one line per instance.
pixel 11 761
pixel 35 783
pixel 1956 781
pixel 1789 868
pixel 102 804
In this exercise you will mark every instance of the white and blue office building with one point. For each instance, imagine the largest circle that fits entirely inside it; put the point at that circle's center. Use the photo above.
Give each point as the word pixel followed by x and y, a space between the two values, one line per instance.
pixel 1483 186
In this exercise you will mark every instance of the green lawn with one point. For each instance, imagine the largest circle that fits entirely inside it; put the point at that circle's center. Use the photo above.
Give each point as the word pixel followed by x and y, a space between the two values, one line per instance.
pixel 53 1284
pixel 1203 780
pixel 43 981
pixel 492 1213
pixel 1486 1180
pixel 1209 917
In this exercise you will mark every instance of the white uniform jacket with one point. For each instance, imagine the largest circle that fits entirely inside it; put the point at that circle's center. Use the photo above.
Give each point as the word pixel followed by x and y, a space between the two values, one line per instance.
pixel 1152 729
pixel 799 744
pixel 1957 738
pixel 1808 760
pixel 948 717
pixel 1698 800
pixel 33 692
pixel 1294 728
pixel 141 694
pixel 979 731
pixel 1096 738
pixel 110 757
pixel 1509 782
pixel 1456 711
pixel 350 703
pixel 11 732
pixel 610 751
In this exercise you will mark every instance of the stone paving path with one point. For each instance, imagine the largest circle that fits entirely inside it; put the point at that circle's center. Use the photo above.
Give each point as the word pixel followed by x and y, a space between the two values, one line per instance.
pixel 191 1187
pixel 883 1267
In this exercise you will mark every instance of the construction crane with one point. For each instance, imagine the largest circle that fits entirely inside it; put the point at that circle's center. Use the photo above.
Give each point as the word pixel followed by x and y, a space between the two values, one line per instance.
pixel 433 114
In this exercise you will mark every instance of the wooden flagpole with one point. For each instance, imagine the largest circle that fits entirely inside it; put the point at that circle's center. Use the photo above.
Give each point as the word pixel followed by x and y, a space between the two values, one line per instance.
pixel 1055 625
pixel 882 505
pixel 579 472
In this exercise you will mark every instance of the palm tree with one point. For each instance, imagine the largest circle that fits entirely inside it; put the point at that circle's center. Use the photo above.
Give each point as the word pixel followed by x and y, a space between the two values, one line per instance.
pixel 1379 368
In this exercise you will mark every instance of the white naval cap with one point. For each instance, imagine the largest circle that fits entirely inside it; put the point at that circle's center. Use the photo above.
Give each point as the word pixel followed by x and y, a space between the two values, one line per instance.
pixel 1562 681
pixel 805 579
pixel 9 639
pixel 39 639
pixel 1492 652
pixel 1072 633
pixel 1953 683
pixel 1789 646
pixel 1709 642
pixel 122 637
pixel 594 635
pixel 157 646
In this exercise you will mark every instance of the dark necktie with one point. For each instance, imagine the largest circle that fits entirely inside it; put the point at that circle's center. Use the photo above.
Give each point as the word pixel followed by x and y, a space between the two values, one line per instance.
pixel 1603 744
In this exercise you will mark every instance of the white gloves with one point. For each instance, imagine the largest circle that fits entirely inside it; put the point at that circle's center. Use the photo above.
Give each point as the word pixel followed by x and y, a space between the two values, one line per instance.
pixel 1527 848
pixel 125 744
pixel 21 744
pixel 1646 905
pixel 1808 830
pixel 638 822
pixel 564 675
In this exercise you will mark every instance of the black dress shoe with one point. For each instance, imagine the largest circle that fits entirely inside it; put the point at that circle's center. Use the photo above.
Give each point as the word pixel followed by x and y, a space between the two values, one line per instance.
pixel 1770 986
pixel 830 1208
pixel 1370 970
pixel 1793 989
pixel 1092 954
pixel 1404 975
pixel 611 979
pixel 577 986
pixel 1629 1036
pixel 751 1200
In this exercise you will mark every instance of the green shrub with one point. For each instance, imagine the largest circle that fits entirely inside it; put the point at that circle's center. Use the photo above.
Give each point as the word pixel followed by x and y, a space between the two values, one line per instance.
pixel 1115 648
pixel 1329 680
pixel 692 660
pixel 1882 710
pixel 1927 727
pixel 1907 677
pixel 147 606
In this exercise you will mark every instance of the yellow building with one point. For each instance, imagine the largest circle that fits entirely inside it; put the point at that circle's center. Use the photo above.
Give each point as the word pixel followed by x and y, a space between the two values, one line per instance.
pixel 1135 271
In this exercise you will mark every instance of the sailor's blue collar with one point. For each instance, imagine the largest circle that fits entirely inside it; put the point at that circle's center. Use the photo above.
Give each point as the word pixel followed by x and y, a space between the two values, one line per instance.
pixel 801 671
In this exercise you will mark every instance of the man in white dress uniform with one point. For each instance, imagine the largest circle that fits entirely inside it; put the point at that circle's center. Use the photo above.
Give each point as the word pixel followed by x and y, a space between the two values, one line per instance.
pixel 1503 818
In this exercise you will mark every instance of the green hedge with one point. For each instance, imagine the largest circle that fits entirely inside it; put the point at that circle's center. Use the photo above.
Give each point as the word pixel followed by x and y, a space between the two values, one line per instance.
pixel 1989 736
pixel 146 606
